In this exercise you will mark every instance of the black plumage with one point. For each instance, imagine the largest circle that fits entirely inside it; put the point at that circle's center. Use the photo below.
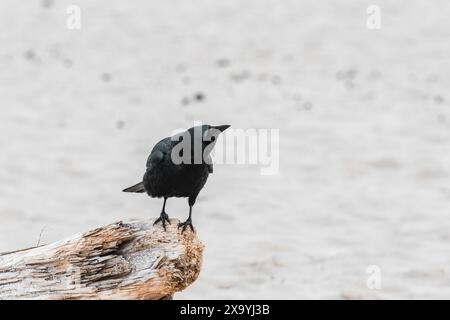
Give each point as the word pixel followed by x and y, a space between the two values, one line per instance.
pixel 179 166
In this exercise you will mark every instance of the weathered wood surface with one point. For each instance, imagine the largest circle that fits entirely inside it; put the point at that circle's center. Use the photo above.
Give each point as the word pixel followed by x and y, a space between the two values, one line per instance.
pixel 123 260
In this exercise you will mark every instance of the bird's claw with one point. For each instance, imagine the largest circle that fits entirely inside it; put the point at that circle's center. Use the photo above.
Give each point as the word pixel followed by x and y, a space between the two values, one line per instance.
pixel 185 224
pixel 163 218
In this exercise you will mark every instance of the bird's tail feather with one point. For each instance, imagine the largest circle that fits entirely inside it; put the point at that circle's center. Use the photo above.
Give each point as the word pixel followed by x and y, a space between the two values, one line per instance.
pixel 138 188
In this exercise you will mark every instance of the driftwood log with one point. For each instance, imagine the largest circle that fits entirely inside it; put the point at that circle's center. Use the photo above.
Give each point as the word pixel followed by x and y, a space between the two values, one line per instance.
pixel 123 260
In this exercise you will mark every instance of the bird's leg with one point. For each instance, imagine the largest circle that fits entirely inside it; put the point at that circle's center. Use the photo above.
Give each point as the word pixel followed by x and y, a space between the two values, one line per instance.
pixel 163 217
pixel 188 222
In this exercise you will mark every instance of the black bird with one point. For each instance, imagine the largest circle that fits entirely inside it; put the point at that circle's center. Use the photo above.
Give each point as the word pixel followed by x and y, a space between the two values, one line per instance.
pixel 179 166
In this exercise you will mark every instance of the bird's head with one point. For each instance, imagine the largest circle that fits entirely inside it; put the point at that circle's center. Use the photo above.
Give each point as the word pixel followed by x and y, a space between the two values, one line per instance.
pixel 195 144
pixel 206 134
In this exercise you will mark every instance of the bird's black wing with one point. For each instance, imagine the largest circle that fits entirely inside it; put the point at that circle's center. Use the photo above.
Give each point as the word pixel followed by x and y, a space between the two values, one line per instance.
pixel 154 158
pixel 159 151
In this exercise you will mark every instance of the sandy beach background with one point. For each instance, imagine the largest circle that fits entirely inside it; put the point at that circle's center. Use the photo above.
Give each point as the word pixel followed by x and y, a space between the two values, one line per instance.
pixel 364 120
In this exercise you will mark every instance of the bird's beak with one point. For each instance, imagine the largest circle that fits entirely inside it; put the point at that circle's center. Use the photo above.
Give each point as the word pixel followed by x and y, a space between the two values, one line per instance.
pixel 222 128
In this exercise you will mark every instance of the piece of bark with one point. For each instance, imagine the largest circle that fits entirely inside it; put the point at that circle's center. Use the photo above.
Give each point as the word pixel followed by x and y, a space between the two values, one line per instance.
pixel 123 260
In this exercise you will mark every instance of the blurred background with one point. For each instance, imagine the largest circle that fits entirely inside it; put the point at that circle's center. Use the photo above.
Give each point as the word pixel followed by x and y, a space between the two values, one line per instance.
pixel 364 120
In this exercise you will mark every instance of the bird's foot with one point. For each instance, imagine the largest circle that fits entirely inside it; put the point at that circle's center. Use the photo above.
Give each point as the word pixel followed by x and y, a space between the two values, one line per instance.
pixel 185 224
pixel 163 218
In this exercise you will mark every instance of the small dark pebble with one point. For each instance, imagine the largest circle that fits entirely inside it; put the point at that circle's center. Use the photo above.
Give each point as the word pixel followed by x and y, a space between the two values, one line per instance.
pixel 67 63
pixel 351 73
pixel 186 80
pixel 47 3
pixel 276 80
pixel 185 101
pixel 288 58
pixel 296 97
pixel 120 124
pixel 374 75
pixel 241 76
pixel 106 77
pixel 223 63
pixel 307 105
pixel 346 75
pixel 438 99
pixel 62 123
pixel 180 68
pixel 29 54
pixel 199 96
